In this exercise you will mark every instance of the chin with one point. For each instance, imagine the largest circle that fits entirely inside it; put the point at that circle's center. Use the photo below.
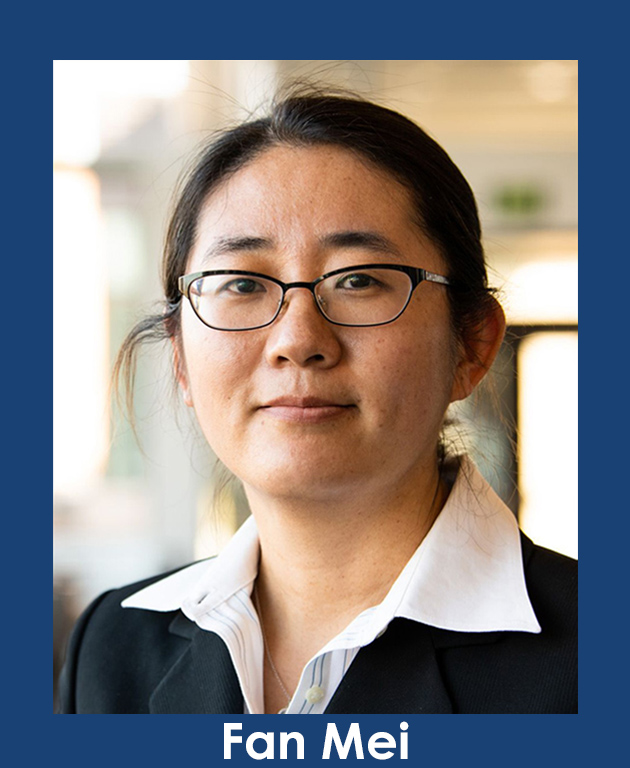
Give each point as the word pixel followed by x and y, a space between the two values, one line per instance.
pixel 307 479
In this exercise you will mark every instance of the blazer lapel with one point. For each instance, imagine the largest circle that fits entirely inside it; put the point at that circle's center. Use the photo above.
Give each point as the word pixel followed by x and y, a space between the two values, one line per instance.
pixel 202 681
pixel 397 673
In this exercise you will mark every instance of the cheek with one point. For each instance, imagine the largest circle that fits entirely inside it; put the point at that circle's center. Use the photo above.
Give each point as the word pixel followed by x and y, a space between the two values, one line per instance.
pixel 411 383
pixel 217 367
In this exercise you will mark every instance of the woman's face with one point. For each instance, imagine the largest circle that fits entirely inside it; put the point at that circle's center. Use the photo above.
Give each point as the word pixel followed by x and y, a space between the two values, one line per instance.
pixel 303 406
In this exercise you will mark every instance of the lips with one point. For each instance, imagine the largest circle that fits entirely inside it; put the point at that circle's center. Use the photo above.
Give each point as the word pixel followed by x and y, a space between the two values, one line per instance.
pixel 305 409
pixel 296 401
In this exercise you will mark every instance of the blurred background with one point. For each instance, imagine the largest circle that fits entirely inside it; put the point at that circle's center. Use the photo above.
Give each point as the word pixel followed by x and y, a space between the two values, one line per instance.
pixel 124 508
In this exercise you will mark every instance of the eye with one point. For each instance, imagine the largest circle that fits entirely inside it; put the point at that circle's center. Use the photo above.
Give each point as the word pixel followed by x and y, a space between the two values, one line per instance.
pixel 242 286
pixel 357 281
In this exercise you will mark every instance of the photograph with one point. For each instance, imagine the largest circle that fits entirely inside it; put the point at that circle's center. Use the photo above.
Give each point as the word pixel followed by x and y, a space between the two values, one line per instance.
pixel 315 388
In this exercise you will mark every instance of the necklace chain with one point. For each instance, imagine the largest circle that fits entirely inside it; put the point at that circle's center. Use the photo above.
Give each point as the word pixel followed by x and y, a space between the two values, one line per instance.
pixel 266 647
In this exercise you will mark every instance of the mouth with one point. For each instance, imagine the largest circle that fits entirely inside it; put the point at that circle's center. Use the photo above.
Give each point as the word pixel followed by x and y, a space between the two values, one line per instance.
pixel 305 410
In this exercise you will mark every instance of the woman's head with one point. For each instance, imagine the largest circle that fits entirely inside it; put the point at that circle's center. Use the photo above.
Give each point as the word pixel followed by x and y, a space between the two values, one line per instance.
pixel 303 403
pixel 303 397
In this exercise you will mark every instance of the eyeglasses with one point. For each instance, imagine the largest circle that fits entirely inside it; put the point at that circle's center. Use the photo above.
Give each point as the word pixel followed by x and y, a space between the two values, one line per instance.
pixel 365 295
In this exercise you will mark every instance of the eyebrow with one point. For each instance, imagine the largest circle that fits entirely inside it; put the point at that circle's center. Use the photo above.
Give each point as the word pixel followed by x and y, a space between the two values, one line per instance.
pixel 236 244
pixel 359 239
pixel 371 241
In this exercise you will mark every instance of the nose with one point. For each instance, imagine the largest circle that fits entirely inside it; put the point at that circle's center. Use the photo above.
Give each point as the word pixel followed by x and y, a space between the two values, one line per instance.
pixel 301 336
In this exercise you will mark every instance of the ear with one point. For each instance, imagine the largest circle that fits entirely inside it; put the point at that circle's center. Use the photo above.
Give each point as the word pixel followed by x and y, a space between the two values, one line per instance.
pixel 479 351
pixel 179 367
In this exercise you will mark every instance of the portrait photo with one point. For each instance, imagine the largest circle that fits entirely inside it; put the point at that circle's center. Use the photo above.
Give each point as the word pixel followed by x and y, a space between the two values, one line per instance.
pixel 315 387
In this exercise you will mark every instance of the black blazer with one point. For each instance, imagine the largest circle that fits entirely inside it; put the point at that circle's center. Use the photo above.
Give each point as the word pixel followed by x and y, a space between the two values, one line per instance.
pixel 131 661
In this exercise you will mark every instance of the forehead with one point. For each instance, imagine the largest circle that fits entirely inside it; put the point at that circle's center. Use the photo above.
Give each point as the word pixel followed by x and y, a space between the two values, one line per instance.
pixel 296 193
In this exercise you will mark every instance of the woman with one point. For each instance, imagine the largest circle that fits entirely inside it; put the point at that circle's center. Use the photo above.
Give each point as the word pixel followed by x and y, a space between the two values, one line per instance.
pixel 326 300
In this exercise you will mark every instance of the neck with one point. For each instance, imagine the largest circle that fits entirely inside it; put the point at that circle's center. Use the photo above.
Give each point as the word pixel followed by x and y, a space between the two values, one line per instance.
pixel 322 563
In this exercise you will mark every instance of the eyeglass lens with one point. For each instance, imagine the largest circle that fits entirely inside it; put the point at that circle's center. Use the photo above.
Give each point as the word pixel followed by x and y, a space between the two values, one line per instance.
pixel 356 297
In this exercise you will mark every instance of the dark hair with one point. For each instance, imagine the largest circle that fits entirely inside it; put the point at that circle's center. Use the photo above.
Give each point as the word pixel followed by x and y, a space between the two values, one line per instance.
pixel 443 201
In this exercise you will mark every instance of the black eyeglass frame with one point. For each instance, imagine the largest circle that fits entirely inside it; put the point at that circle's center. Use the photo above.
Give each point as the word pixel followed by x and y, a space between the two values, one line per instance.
pixel 415 274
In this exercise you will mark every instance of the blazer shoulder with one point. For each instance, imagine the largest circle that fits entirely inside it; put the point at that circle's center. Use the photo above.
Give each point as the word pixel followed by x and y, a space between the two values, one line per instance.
pixel 107 649
pixel 105 613
pixel 542 563
pixel 552 583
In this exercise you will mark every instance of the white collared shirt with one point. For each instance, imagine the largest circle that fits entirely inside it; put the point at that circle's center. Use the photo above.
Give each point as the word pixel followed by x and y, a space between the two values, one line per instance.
pixel 466 575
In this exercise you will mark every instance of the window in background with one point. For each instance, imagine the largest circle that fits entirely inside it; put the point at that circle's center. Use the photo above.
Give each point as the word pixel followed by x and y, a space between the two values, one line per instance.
pixel 80 333
pixel 547 456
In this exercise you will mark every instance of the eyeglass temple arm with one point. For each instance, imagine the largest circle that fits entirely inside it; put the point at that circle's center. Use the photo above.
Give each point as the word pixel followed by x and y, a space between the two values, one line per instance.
pixel 432 277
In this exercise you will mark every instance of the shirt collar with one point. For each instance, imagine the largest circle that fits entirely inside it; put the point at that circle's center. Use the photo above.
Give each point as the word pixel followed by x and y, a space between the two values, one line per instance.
pixel 466 575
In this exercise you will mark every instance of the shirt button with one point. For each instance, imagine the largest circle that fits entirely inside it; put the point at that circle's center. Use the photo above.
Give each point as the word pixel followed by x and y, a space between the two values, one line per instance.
pixel 314 694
